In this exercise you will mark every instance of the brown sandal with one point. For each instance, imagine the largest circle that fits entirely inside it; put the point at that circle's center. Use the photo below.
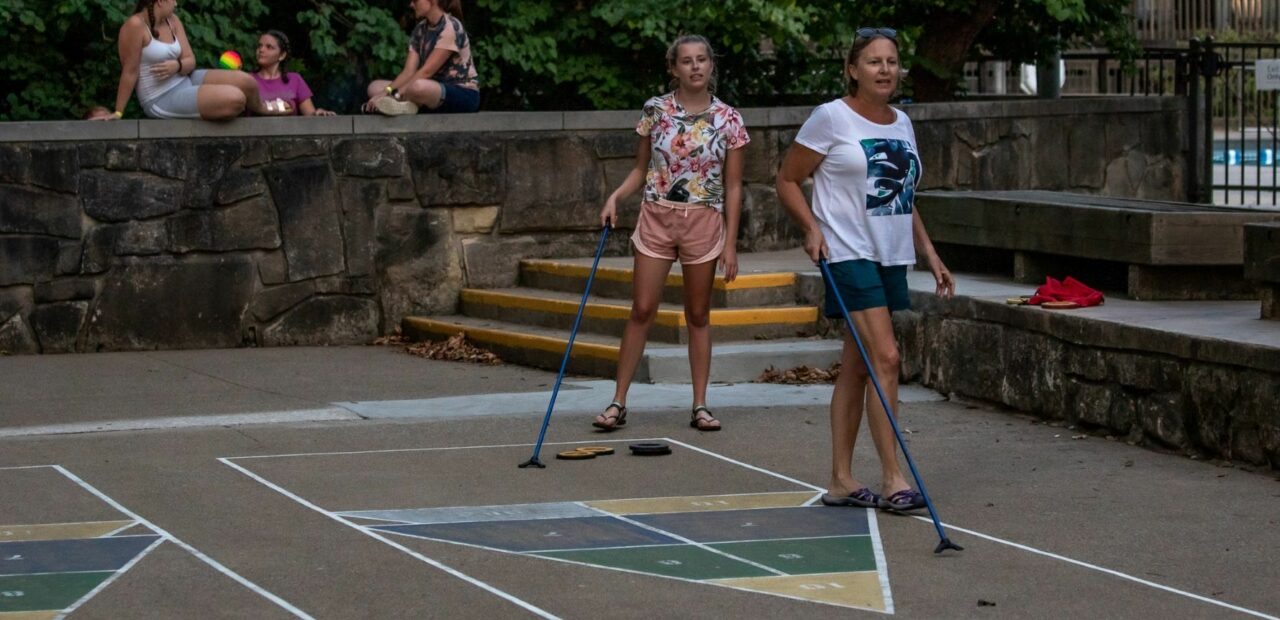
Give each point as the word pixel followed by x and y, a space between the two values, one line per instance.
pixel 707 423
pixel 612 422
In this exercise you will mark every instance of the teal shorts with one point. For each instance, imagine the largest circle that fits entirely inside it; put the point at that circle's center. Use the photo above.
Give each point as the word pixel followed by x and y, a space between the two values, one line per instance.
pixel 866 284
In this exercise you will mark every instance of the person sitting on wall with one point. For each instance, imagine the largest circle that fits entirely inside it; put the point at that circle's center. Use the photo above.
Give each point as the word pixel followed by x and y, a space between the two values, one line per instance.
pixel 277 85
pixel 156 58
pixel 438 73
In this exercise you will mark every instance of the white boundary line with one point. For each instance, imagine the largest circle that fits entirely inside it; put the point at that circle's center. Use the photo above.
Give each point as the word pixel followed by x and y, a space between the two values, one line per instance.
pixel 376 536
pixel 882 564
pixel 109 580
pixel 1101 569
pixel 1080 563
pixel 112 533
pixel 395 450
pixel 10 525
pixel 687 541
pixel 283 604
pixel 873 525
pixel 25 467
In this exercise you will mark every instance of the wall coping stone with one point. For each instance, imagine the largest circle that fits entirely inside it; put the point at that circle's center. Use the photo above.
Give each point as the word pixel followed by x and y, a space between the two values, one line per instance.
pixel 763 118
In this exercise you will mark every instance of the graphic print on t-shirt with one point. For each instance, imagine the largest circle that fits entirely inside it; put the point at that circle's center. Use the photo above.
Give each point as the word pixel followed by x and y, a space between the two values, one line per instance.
pixel 893 169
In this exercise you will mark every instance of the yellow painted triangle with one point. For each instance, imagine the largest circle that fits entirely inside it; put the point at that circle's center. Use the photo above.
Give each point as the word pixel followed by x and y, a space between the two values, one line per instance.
pixel 59 531
pixel 702 503
pixel 29 615
pixel 861 590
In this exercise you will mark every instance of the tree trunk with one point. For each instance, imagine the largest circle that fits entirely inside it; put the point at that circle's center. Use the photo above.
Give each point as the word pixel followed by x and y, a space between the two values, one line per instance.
pixel 944 45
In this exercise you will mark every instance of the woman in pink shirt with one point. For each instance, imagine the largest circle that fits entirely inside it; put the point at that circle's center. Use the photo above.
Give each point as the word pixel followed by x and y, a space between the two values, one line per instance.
pixel 277 87
pixel 689 163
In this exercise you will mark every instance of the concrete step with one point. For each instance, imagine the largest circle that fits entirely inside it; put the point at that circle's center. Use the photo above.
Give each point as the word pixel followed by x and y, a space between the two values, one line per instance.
pixel 556 309
pixel 570 276
pixel 596 355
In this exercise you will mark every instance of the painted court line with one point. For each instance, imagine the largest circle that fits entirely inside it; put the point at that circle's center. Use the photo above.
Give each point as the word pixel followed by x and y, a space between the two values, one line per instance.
pixel 1048 554
pixel 379 534
pixel 110 580
pixel 688 541
pixel 283 604
pixel 121 529
pixel 328 414
pixel 538 555
pixel 1101 569
pixel 379 537
pixel 396 450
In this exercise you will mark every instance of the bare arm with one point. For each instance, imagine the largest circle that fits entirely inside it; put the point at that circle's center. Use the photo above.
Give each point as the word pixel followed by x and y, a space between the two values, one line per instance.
pixel 732 212
pixel 130 44
pixel 435 60
pixel 946 285
pixel 633 182
pixel 797 166
pixel 188 58
pixel 404 77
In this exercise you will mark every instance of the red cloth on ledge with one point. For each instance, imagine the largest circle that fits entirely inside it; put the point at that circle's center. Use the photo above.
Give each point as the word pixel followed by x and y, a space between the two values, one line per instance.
pixel 1069 289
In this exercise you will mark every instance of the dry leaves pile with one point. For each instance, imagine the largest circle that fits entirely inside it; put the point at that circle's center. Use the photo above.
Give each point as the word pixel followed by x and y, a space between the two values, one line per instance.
pixel 800 375
pixel 455 349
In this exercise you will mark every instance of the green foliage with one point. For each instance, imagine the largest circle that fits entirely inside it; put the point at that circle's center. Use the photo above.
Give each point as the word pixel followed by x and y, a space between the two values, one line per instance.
pixel 59 57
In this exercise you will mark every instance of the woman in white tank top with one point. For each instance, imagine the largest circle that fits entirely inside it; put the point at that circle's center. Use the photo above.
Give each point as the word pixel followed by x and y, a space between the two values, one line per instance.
pixel 157 61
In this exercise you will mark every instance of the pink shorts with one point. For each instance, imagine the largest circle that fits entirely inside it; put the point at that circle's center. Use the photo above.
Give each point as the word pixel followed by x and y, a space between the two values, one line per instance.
pixel 693 233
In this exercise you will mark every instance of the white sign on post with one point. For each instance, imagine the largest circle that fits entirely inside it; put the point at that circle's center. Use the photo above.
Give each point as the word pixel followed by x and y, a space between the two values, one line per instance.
pixel 1267 74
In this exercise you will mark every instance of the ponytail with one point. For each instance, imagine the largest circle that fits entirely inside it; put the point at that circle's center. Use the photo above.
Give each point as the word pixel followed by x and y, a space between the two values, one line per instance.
pixel 150 6
pixel 452 7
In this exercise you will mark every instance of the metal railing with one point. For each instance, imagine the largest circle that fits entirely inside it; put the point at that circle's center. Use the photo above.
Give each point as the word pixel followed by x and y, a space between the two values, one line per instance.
pixel 1180 20
pixel 1238 124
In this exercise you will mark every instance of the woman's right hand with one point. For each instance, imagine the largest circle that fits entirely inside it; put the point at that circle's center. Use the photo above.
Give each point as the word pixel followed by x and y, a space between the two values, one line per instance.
pixel 609 214
pixel 368 105
pixel 815 245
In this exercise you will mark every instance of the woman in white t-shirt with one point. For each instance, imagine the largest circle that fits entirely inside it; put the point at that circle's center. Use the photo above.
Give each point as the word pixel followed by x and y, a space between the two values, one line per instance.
pixel 689 161
pixel 862 155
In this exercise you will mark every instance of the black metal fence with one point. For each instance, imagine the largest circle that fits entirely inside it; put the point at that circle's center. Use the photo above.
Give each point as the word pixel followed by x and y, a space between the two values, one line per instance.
pixel 1238 123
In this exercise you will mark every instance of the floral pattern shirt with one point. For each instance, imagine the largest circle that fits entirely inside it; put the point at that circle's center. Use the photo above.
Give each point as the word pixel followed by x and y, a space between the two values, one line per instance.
pixel 446 34
pixel 686 163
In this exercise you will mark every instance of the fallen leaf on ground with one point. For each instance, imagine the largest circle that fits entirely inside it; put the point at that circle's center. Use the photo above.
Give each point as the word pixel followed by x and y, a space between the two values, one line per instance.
pixel 800 375
pixel 455 349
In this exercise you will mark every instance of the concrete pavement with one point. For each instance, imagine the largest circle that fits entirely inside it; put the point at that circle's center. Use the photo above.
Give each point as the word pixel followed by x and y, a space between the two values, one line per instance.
pixel 1053 525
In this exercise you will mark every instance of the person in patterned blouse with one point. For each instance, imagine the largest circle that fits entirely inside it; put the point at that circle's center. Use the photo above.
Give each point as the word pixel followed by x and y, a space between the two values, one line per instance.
pixel 689 162
pixel 439 74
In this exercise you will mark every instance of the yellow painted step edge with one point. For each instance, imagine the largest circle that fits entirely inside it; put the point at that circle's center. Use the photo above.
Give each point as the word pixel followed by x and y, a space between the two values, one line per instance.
pixel 514 339
pixel 615 274
pixel 666 318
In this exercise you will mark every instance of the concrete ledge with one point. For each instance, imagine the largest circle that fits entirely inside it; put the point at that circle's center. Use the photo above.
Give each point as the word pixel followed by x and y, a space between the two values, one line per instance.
pixel 241 127
pixel 52 131
pixel 756 118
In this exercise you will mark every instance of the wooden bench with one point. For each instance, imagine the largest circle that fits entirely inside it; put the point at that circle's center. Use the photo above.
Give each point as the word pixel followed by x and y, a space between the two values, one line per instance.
pixel 1147 249
pixel 1262 265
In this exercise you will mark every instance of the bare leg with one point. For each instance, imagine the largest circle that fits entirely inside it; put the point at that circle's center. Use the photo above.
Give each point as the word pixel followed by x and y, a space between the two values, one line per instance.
pixel 219 102
pixel 426 93
pixel 876 328
pixel 846 417
pixel 698 280
pixel 377 87
pixel 646 292
pixel 242 81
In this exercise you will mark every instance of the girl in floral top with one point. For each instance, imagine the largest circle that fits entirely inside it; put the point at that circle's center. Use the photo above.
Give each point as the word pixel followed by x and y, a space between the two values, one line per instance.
pixel 689 160
pixel 439 74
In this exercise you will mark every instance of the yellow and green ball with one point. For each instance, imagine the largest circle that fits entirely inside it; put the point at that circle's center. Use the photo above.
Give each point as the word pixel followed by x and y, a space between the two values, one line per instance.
pixel 230 61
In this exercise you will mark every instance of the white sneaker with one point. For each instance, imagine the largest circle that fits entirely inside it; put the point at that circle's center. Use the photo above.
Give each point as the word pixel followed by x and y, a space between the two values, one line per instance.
pixel 392 107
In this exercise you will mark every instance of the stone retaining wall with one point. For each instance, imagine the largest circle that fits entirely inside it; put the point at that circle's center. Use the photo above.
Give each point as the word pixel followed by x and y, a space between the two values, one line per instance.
pixel 135 235
pixel 1200 396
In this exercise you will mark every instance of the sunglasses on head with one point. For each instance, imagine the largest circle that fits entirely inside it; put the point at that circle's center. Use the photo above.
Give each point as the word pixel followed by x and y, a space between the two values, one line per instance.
pixel 866 33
